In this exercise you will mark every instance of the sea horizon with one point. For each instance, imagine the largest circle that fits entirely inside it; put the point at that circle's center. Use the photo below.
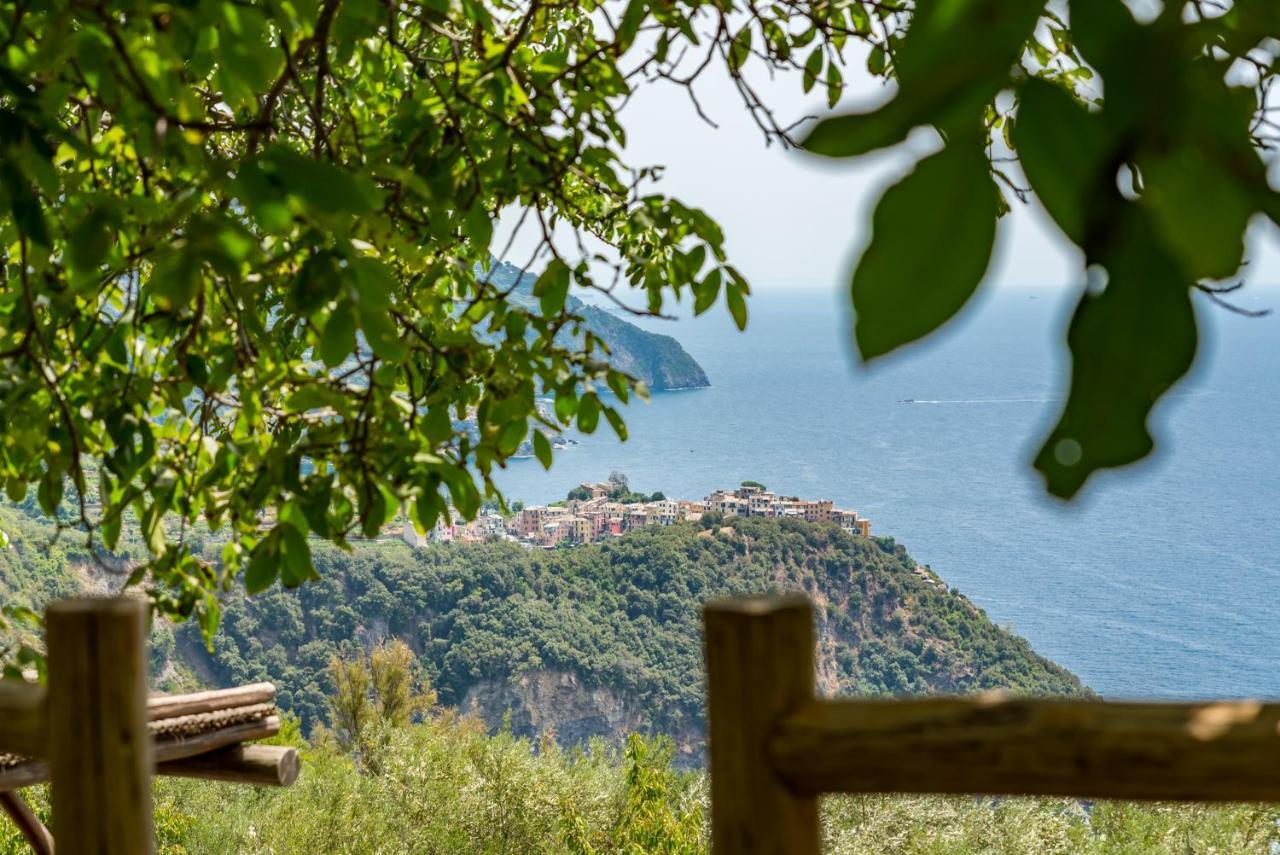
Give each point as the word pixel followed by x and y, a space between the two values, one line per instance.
pixel 1157 582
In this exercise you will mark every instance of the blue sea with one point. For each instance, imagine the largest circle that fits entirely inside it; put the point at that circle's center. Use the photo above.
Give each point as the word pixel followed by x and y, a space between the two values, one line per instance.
pixel 1163 581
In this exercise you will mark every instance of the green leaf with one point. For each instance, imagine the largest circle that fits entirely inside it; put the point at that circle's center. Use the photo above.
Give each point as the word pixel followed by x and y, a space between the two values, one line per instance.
pixel 858 133
pixel 28 215
pixel 264 564
pixel 295 568
pixel 322 186
pixel 735 299
pixel 49 493
pixel 552 288
pixel 740 48
pixel 542 448
pixel 111 530
pixel 813 68
pixel 338 341
pixel 1200 210
pixel 466 498
pixel 175 279
pixel 381 332
pixel 1129 345
pixel 706 291
pixel 588 413
pixel 931 239
pixel 428 508
pixel 479 227
pixel 566 405
pixel 89 241
pixel 1062 148
pixel 616 422
pixel 835 84
pixel 318 281
pixel 955 57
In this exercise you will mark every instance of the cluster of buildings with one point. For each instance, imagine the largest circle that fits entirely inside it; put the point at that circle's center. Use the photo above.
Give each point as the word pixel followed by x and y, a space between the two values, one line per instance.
pixel 753 500
pixel 594 514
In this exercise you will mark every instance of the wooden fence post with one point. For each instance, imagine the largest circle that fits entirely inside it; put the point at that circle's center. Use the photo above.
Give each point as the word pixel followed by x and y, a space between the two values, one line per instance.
pixel 99 745
pixel 759 655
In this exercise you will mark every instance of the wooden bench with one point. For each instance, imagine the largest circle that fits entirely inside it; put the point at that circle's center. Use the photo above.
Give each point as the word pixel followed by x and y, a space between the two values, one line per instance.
pixel 775 747
pixel 94 733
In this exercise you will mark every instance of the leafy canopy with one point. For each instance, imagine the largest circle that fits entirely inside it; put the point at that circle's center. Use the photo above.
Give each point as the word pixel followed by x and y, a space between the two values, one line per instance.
pixel 243 244
pixel 1144 141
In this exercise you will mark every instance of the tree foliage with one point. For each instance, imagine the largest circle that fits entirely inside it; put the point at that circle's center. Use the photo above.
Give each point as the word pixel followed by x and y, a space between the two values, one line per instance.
pixel 623 616
pixel 1145 141
pixel 243 244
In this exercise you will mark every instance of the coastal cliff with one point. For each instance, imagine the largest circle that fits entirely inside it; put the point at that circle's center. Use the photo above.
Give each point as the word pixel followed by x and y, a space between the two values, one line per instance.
pixel 605 639
pixel 659 360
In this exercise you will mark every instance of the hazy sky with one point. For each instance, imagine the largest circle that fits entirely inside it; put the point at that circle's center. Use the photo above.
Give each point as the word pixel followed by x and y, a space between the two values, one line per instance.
pixel 795 220
pixel 792 220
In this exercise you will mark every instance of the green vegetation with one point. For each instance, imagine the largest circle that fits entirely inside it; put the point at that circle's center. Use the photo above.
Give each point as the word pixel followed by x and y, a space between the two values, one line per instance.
pixel 39 565
pixel 1154 172
pixel 239 243
pixel 239 240
pixel 619 492
pixel 622 615
pixel 446 786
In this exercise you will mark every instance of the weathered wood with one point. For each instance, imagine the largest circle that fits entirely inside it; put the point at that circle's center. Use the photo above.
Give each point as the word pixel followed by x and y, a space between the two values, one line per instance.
pixel 173 706
pixel 262 765
pixel 759 655
pixel 99 747
pixel 23 718
pixel 164 750
pixel 179 747
pixel 24 775
pixel 33 830
pixel 1219 751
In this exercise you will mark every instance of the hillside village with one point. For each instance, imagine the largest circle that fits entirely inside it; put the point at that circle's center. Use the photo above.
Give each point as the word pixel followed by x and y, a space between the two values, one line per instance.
pixel 599 511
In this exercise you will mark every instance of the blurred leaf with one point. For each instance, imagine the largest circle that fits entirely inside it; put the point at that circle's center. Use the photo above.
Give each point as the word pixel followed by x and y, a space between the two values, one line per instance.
pixel 1129 345
pixel 1200 210
pixel 175 279
pixel 339 338
pixel 542 448
pixel 1062 149
pixel 552 288
pixel 588 413
pixel 953 60
pixel 296 565
pixel 931 240
pixel 264 564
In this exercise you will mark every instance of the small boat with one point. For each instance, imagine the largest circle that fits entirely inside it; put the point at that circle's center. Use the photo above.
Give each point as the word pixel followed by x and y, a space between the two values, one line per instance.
pixel 907 401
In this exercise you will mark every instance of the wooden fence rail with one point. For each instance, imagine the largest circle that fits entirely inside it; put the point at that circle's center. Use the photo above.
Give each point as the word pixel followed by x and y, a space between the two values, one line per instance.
pixel 774 747
pixel 98 738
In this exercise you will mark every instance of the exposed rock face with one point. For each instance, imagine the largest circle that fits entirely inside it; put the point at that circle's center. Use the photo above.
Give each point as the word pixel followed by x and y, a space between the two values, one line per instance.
pixel 547 701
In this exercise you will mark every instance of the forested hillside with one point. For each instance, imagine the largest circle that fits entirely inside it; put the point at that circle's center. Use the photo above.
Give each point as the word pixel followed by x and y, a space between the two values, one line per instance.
pixel 589 641
pixel 605 639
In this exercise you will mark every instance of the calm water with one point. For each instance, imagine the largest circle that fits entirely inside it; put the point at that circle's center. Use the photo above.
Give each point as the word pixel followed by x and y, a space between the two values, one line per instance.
pixel 1165 581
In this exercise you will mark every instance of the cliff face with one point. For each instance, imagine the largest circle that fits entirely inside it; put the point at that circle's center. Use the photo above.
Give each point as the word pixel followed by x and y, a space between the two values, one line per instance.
pixel 548 701
pixel 659 360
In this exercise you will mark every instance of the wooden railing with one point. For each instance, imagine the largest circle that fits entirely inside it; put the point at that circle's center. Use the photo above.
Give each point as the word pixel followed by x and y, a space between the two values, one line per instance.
pixel 97 737
pixel 774 747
